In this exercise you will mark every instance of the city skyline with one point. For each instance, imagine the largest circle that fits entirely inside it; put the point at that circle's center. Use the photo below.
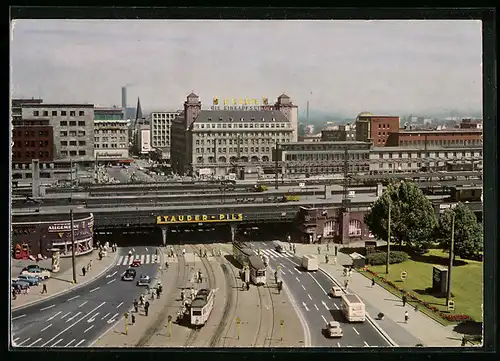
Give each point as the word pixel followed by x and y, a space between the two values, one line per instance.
pixel 378 66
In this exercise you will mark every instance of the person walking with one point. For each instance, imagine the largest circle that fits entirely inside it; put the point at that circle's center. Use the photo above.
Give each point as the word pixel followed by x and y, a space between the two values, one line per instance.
pixel 84 270
pixel 280 287
pixel 183 251
pixel 326 258
pixel 182 295
pixel 44 288
pixel 146 308
pixel 373 281
pixel 404 299
pixel 328 247
pixel 136 306
pixel 346 284
pixel 294 249
pixel 248 286
pixel 158 292
pixel 407 317
pixel 319 250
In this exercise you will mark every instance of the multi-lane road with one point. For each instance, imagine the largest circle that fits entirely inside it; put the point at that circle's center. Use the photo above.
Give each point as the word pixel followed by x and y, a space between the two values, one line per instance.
pixel 78 318
pixel 310 292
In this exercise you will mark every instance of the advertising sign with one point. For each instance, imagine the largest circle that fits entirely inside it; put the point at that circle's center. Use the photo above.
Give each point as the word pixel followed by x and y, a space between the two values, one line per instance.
pixel 199 218
pixel 241 104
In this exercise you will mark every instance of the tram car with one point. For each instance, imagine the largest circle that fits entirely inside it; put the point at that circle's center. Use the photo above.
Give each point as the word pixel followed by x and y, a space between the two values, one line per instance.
pixel 201 307
pixel 257 270
pixel 242 253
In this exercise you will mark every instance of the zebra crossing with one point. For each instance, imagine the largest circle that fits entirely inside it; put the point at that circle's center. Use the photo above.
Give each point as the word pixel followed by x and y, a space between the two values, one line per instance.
pixel 144 258
pixel 271 253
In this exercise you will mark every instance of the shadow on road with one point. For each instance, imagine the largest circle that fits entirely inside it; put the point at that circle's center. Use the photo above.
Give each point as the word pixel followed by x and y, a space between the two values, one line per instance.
pixel 231 260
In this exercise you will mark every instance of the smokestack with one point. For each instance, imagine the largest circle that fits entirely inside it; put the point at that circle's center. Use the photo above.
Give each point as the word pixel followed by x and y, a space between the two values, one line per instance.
pixel 307 111
pixel 124 100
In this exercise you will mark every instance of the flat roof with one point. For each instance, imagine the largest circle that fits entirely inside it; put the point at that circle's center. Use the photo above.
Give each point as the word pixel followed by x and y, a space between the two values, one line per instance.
pixel 340 142
pixel 353 298
pixel 442 131
pixel 429 148
pixel 46 105
pixel 256 262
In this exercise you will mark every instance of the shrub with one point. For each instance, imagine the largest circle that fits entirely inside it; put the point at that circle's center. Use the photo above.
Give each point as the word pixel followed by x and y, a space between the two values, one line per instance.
pixel 454 317
pixel 379 258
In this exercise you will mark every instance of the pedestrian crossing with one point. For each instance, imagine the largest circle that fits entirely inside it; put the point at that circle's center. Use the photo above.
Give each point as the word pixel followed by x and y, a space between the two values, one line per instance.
pixel 272 254
pixel 144 258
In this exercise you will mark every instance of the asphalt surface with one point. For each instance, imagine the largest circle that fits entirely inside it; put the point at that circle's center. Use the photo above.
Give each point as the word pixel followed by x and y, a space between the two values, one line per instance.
pixel 310 291
pixel 78 318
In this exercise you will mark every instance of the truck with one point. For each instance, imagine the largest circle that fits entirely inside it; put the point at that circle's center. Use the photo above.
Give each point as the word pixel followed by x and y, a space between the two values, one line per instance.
pixel 309 262
pixel 353 308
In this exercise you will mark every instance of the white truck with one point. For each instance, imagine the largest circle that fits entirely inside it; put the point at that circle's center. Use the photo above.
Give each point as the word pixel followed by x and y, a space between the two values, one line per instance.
pixel 353 308
pixel 310 262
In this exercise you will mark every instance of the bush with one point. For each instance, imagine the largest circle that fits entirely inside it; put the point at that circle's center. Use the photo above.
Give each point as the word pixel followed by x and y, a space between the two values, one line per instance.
pixel 379 258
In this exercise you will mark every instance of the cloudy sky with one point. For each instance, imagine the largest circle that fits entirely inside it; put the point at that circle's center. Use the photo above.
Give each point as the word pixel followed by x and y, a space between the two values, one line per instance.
pixel 343 67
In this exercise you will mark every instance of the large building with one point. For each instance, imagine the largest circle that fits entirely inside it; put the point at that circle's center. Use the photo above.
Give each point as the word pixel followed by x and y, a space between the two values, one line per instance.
pixel 435 138
pixel 111 142
pixel 142 139
pixel 375 128
pixel 32 139
pixel 338 132
pixel 161 123
pixel 17 106
pixel 73 128
pixel 241 140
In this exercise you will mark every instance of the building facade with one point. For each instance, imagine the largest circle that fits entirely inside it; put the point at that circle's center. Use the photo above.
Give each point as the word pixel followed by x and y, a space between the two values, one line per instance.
pixel 436 138
pixel 16 110
pixel 73 128
pixel 310 138
pixel 375 128
pixel 32 139
pixel 471 124
pixel 161 123
pixel 143 139
pixel 111 142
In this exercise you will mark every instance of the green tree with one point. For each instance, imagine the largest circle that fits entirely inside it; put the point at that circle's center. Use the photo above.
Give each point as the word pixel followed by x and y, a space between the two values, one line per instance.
pixel 413 220
pixel 468 232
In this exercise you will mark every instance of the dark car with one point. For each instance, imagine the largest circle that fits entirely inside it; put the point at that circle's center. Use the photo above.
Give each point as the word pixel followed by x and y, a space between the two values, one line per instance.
pixel 279 248
pixel 129 275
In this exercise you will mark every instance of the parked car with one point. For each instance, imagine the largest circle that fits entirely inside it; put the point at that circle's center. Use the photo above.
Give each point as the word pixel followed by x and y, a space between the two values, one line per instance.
pixel 144 281
pixel 19 285
pixel 42 274
pixel 33 281
pixel 129 275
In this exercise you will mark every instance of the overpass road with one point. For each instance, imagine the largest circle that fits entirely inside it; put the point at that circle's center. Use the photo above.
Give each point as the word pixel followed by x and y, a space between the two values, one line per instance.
pixel 77 318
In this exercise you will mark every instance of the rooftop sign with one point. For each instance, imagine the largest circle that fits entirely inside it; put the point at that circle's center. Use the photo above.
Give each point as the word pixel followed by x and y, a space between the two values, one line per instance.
pixel 241 104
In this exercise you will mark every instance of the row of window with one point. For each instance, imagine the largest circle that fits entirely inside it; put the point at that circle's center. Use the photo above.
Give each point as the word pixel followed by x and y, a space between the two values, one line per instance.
pixel 211 160
pixel 235 141
pixel 242 135
pixel 320 147
pixel 30 154
pixel 383 126
pixel 441 142
pixel 72 133
pixel 72 153
pixel 45 113
pixel 72 123
pixel 113 145
pixel 163 116
pixel 327 170
pixel 81 143
pixel 401 155
pixel 326 157
pixel 30 133
pixel 233 150
pixel 113 139
pixel 31 143
pixel 110 131
pixel 242 125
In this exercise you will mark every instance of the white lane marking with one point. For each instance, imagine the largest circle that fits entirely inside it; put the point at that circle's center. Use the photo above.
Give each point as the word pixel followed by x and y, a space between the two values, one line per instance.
pixel 119 305
pixel 276 254
pixel 62 318
pixel 113 280
pixel 315 280
pixel 73 324
pixel 46 308
pixel 366 344
pixel 125 261
pixel 289 254
pixel 88 329
pixel 112 274
pixel 83 304
pixel 70 342
pixel 290 272
pixel 18 317
pixel 355 331
pixel 17 338
pixel 338 344
pixel 297 279
pixel 296 270
pixel 120 260
pixel 57 342
pixel 112 319
pixel 94 289
pixel 324 304
pixel 337 307
pixel 46 327
pixel 133 249
pixel 142 259
pixel 92 319
pixel 305 306
pixel 324 319
pixel 146 249
pixel 148 259
pixel 73 317
pixel 106 315
pixel 79 343
pixel 308 295
pixel 303 287
pixel 19 344
pixel 316 307
pixel 33 343
pixel 72 298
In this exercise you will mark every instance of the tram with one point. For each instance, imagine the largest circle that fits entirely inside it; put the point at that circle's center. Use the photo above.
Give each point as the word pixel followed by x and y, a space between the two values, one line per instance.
pixel 242 253
pixel 257 270
pixel 201 307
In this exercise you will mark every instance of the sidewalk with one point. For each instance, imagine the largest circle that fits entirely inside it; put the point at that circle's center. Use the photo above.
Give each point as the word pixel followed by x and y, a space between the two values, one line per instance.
pixel 62 281
pixel 419 329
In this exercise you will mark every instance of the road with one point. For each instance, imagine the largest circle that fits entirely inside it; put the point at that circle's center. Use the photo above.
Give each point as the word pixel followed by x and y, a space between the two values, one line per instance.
pixel 77 318
pixel 311 294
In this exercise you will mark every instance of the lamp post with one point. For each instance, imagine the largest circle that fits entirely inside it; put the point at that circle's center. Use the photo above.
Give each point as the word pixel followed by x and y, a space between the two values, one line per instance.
pixel 450 265
pixel 72 245
pixel 388 240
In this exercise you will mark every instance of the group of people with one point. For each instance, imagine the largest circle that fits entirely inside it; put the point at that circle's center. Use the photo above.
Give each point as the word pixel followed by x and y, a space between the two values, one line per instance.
pixel 144 303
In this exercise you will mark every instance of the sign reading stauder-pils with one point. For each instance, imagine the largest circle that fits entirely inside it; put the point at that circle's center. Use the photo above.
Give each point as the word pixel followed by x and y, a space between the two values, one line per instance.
pixel 199 218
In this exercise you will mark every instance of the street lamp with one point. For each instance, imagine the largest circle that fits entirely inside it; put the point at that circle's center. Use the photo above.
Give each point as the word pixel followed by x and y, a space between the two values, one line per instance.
pixel 450 264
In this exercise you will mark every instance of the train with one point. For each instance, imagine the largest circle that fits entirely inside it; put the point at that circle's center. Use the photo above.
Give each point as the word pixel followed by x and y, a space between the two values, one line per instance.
pixel 466 194
pixel 201 307
pixel 248 259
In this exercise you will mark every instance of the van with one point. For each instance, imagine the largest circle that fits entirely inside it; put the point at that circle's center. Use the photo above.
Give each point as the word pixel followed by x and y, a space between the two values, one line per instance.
pixel 353 308
pixel 309 262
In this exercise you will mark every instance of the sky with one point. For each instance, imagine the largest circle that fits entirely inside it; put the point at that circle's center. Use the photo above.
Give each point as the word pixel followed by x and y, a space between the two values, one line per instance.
pixel 343 67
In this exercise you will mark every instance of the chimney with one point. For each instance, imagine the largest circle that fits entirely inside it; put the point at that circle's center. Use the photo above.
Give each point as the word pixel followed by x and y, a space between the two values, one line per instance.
pixel 124 99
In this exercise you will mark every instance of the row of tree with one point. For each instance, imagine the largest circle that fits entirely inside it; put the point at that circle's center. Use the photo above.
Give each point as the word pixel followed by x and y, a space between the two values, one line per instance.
pixel 414 222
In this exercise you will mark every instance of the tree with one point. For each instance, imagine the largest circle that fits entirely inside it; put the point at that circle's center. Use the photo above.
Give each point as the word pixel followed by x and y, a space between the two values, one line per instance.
pixel 468 232
pixel 413 220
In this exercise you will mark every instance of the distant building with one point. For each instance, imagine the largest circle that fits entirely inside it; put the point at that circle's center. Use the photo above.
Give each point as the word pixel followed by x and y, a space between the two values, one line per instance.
pixel 143 140
pixel 161 123
pixel 17 105
pixel 338 132
pixel 111 142
pixel 310 138
pixel 32 139
pixel 309 129
pixel 469 123
pixel 436 138
pixel 375 128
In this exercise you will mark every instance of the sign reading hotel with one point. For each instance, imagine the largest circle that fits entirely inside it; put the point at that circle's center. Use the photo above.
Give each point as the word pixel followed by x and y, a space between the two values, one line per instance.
pixel 241 104
pixel 199 218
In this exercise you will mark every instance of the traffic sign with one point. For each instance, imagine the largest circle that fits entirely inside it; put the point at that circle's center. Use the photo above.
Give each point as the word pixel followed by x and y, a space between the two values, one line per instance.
pixel 238 321
pixel 282 322
pixel 403 275
pixel 451 305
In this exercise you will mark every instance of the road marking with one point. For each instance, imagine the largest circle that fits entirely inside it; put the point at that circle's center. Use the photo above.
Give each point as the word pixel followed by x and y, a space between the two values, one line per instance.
pixel 112 319
pixel 72 298
pixel 14 340
pixel 355 331
pixel 112 274
pixel 133 249
pixel 366 344
pixel 316 307
pixel 72 318
pixel 19 344
pixel 297 279
pixel 126 261
pixel 46 308
pixel 73 324
pixel 109 282
pixel 32 344
pixel 92 319
pixel 120 260
pixel 290 272
pixel 308 295
pixel 95 289
pixel 46 327
pixel 296 270
pixel 305 306
pixel 337 307
pixel 148 259
pixel 58 341
pixel 18 317
pixel 83 304
pixel 142 259
pixel 324 304
pixel 119 305
pixel 315 280
pixel 303 287
pixel 106 315
pixel 88 329
pixel 70 342
pixel 338 344
pixel 62 318
pixel 146 249
pixel 324 319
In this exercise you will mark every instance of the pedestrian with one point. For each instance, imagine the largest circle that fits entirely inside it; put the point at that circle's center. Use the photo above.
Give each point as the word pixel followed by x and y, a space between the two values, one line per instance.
pixel 406 317
pixel 14 294
pixel 158 293
pixel 27 290
pixel 373 282
pixel 334 260
pixel 182 295
pixel 160 287
pixel 44 288
pixel 404 300
pixel 205 253
pixel 84 270
pixel 183 251
pixel 248 286
pixel 136 306
pixel 326 258
pixel 280 286
pixel 319 250
pixel 294 249
pixel 146 308
pixel 141 299
pixel 328 247
pixel 153 292
pixel 346 283
pixel 345 272
pixel 464 341
pixel 336 251
pixel 276 277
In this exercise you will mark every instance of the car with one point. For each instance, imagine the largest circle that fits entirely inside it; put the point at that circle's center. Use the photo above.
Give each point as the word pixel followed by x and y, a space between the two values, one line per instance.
pixel 33 281
pixel 144 281
pixel 129 275
pixel 279 248
pixel 20 285
pixel 336 291
pixel 32 267
pixel 42 274
pixel 136 263
pixel 333 329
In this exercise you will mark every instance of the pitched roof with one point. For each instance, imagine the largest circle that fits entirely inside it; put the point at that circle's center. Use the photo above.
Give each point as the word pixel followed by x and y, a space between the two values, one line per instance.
pixel 283 96
pixel 192 95
pixel 238 115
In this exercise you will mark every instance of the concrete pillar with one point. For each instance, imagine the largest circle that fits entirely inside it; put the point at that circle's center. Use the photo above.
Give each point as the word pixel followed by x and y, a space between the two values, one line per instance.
pixel 164 235
pixel 233 231
pixel 380 190
pixel 35 178
pixel 344 227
